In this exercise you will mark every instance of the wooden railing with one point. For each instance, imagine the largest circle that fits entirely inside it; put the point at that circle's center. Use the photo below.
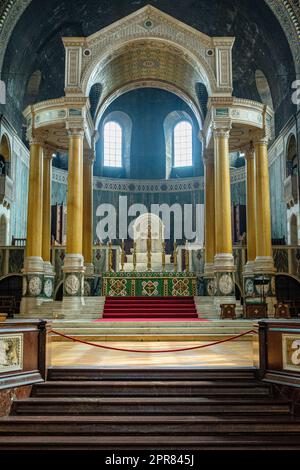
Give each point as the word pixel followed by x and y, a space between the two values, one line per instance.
pixel 23 346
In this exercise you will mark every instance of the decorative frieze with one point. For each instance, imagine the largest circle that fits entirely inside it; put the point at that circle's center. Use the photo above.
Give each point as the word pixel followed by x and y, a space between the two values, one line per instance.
pixel 11 353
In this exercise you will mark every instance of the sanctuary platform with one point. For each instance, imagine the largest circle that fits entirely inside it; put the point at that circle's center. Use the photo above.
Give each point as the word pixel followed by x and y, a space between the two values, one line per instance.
pixel 149 284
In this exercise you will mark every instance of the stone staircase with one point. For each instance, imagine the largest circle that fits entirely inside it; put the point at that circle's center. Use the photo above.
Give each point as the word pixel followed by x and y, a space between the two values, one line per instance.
pixel 92 308
pixel 115 330
pixel 131 409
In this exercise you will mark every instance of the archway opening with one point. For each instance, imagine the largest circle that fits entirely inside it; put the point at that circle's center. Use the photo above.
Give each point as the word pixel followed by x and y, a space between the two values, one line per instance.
pixel 291 158
pixel 288 292
pixel 5 156
pixel 12 286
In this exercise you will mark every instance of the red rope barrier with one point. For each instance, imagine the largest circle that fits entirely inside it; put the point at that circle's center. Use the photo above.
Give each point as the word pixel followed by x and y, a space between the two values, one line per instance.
pixel 154 351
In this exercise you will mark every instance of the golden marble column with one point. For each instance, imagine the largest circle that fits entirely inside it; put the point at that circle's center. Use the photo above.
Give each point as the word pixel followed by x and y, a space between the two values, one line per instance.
pixel 87 232
pixel 47 183
pixel 264 257
pixel 87 227
pixel 74 262
pixel 223 262
pixel 33 271
pixel 75 193
pixel 35 202
pixel 223 257
pixel 210 242
pixel 251 209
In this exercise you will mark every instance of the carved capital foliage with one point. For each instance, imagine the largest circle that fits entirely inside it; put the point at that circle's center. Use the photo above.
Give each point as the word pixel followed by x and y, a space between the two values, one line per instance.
pixel 48 153
pixel 75 130
pixel 249 151
pixel 221 132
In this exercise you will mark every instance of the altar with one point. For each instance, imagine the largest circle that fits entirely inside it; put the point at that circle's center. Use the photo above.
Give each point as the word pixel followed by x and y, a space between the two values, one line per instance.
pixel 149 284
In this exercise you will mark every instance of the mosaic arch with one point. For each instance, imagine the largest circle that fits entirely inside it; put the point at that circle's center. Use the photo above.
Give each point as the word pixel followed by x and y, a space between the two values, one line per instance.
pixel 149 48
pixel 287 13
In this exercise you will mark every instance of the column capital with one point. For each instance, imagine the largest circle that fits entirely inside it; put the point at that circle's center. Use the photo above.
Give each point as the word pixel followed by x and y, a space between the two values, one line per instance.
pixel 249 151
pixel 221 131
pixel 35 140
pixel 261 140
pixel 48 153
pixel 75 131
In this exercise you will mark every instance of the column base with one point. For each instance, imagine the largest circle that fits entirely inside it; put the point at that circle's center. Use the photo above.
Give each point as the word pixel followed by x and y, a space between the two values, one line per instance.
pixel 49 277
pixel 209 281
pixel 89 280
pixel 73 299
pixel 249 268
pixel 224 262
pixel 225 277
pixel 264 265
pixel 33 284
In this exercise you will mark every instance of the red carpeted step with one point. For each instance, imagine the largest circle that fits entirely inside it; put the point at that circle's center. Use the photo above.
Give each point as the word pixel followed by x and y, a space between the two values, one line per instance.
pixel 152 313
pixel 150 307
pixel 149 299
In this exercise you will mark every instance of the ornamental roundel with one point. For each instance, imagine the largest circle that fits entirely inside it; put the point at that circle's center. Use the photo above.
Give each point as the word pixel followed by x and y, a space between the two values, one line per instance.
pixel 48 288
pixel 72 285
pixel 35 286
pixel 226 284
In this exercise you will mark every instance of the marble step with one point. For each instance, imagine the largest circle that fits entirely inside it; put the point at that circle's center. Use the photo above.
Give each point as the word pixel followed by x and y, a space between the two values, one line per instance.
pixel 149 388
pixel 233 374
pixel 149 405
pixel 137 442
pixel 143 425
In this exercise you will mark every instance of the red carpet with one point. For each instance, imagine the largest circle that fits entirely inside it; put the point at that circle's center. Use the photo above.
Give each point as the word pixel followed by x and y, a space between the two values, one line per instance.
pixel 150 308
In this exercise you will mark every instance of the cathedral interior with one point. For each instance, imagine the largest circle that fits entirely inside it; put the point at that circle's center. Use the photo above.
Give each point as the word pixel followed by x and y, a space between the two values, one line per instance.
pixel 149 224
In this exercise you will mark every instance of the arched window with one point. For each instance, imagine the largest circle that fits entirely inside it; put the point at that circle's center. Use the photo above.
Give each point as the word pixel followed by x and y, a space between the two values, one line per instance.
pixel 113 144
pixel 183 144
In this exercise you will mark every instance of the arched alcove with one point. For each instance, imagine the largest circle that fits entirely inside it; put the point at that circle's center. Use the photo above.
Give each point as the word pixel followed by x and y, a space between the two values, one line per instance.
pixel 291 157
pixel 5 155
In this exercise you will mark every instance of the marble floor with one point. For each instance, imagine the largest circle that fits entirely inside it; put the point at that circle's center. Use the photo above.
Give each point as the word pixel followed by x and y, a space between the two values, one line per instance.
pixel 231 354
